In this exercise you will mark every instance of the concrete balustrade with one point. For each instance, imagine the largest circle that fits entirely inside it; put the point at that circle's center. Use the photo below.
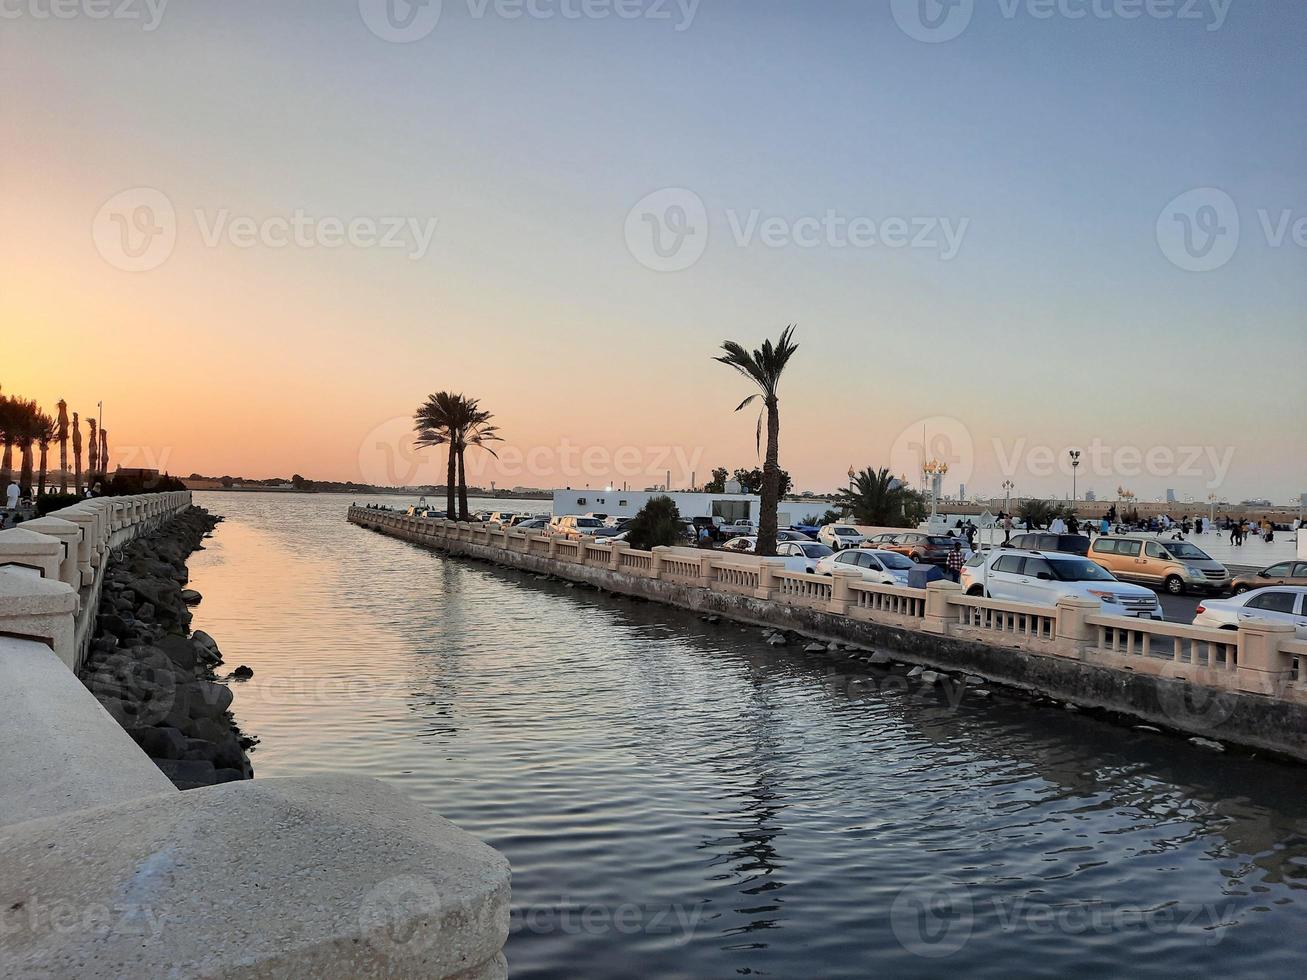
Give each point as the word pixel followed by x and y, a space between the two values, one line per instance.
pixel 361 882
pixel 1260 659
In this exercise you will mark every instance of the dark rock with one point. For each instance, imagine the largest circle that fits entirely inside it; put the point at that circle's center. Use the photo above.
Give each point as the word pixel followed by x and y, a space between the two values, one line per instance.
pixel 188 773
pixel 113 625
pixel 180 651
pixel 242 673
pixel 191 597
pixel 160 743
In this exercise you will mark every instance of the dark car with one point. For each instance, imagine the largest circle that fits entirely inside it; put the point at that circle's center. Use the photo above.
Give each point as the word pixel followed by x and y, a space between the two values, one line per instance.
pixel 1281 573
pixel 925 549
pixel 1071 544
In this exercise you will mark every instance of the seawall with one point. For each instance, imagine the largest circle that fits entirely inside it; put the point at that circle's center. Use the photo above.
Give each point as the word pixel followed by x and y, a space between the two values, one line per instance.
pixel 1242 688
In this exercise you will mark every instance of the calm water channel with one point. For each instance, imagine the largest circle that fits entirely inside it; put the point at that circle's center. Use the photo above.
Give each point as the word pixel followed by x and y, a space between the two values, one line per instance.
pixel 678 799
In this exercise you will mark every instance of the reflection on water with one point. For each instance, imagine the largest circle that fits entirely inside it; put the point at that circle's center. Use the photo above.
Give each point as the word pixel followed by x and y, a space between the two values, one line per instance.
pixel 678 799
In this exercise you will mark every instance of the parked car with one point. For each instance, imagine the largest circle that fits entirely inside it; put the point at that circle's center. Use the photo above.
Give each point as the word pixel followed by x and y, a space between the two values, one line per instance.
pixel 840 536
pixel 1071 544
pixel 1282 604
pixel 617 522
pixel 736 528
pixel 571 526
pixel 532 524
pixel 882 540
pixel 1176 566
pixel 1041 578
pixel 800 556
pixel 926 549
pixel 790 534
pixel 501 519
pixel 1282 573
pixel 883 567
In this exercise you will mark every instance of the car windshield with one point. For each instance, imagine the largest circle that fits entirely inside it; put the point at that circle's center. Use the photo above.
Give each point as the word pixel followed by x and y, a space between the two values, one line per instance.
pixel 845 532
pixel 893 560
pixel 588 522
pixel 1183 549
pixel 945 541
pixel 816 550
pixel 1080 571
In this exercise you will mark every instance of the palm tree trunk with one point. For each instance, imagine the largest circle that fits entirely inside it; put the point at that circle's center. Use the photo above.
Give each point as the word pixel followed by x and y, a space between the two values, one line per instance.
pixel 63 446
pixel 25 480
pixel 45 456
pixel 7 463
pixel 771 484
pixel 450 482
pixel 463 513
pixel 77 454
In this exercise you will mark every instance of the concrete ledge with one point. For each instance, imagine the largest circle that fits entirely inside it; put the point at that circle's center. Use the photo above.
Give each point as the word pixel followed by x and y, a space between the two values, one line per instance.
pixel 315 877
pixel 59 750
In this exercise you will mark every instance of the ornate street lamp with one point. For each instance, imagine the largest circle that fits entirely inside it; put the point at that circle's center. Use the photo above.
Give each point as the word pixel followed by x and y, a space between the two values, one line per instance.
pixel 1075 465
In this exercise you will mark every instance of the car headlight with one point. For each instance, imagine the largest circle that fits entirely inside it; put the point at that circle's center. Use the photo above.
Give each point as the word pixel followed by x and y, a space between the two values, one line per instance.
pixel 1195 572
pixel 1106 596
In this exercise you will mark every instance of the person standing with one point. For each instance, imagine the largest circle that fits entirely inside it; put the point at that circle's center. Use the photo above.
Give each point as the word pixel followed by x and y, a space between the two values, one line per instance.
pixel 1007 528
pixel 12 494
pixel 955 562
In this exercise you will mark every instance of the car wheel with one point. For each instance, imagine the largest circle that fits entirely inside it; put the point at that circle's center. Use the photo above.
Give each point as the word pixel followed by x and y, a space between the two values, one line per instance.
pixel 1174 585
pixel 1241 590
pixel 976 590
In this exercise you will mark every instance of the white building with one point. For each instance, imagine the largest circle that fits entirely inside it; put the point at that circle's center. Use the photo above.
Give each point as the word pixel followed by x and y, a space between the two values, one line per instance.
pixel 627 503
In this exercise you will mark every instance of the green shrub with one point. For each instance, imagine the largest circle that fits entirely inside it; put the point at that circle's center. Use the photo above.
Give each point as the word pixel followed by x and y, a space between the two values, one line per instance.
pixel 658 524
pixel 50 502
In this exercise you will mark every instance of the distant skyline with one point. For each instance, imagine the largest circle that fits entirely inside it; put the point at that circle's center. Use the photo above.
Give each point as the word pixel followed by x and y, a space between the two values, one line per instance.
pixel 263 233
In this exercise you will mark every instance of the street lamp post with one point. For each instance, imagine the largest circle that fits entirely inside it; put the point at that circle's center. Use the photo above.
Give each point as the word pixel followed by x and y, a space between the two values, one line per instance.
pixel 1075 465
pixel 936 470
pixel 1008 487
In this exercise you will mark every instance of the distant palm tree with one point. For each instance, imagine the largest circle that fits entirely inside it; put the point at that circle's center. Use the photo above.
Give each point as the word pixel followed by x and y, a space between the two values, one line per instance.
pixel 77 454
pixel 878 499
pixel 93 451
pixel 764 368
pixel 46 431
pixel 104 453
pixel 62 436
pixel 25 424
pixel 434 423
pixel 8 435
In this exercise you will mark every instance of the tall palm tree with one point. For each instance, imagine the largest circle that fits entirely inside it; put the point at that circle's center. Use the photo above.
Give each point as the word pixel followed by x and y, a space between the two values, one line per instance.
pixel 104 453
pixel 46 430
pixel 434 424
pixel 77 454
pixel 476 430
pixel 25 424
pixel 877 498
pixel 8 435
pixel 93 452
pixel 62 436
pixel 764 368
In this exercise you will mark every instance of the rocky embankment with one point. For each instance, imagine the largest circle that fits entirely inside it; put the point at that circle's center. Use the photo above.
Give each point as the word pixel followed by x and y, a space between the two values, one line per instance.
pixel 152 674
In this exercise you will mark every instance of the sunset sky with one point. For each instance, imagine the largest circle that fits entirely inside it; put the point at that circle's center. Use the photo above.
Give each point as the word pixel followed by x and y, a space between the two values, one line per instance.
pixel 1060 316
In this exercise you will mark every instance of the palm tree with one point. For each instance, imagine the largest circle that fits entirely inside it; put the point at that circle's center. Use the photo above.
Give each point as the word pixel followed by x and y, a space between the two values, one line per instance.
pixel 25 428
pixel 880 500
pixel 104 453
pixel 764 368
pixel 62 435
pixel 46 430
pixel 93 449
pixel 8 433
pixel 434 424
pixel 77 454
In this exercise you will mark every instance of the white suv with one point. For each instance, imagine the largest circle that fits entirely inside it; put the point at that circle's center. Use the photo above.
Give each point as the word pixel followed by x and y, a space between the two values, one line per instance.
pixel 1041 578
pixel 840 536
pixel 882 567
pixel 575 527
